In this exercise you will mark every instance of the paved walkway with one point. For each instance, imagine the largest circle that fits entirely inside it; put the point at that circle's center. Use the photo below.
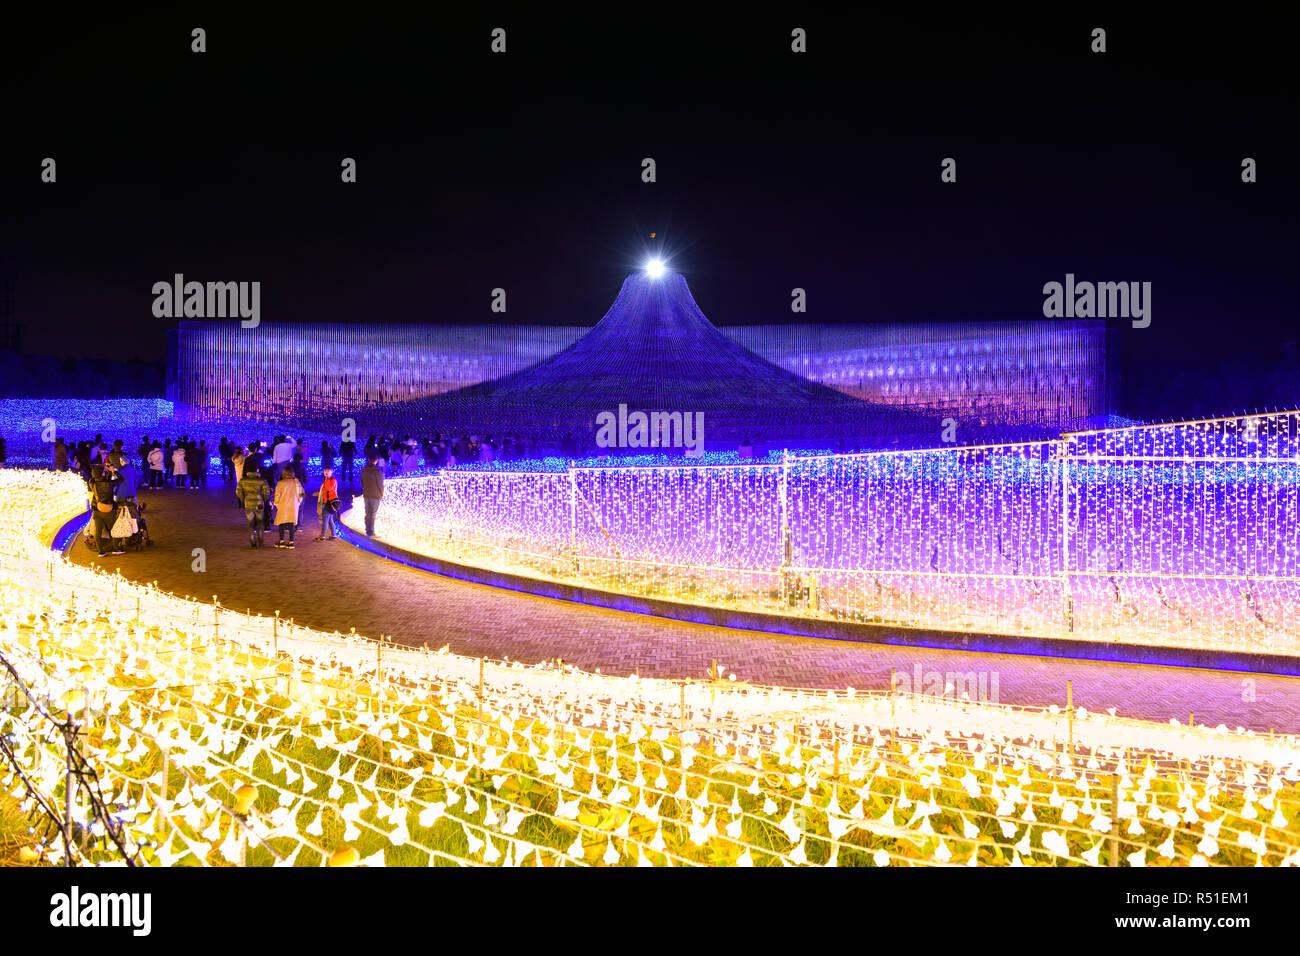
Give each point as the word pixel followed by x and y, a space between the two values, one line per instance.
pixel 334 586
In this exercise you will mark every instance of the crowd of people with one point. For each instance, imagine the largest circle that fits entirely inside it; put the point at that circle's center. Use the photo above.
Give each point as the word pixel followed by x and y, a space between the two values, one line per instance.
pixel 403 456
pixel 271 478
pixel 271 485
pixel 182 463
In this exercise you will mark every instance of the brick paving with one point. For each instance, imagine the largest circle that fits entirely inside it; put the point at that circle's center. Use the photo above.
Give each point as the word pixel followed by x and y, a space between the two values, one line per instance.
pixel 334 586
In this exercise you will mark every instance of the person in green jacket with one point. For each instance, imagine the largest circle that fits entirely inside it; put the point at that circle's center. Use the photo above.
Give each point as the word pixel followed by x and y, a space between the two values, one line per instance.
pixel 253 492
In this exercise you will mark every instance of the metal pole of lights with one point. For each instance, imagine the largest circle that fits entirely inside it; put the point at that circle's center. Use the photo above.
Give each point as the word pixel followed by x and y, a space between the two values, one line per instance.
pixel 1069 709
pixel 573 517
pixel 1063 452
pixel 893 688
pixel 1114 819
pixel 785 526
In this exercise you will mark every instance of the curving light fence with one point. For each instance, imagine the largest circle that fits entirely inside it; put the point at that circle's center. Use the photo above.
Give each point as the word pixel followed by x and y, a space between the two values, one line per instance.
pixel 1183 534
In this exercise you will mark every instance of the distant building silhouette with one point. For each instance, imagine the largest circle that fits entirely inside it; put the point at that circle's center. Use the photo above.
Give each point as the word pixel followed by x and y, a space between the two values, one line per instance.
pixel 1035 373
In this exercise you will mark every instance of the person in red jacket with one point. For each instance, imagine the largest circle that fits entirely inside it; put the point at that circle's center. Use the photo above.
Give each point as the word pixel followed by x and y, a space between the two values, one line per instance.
pixel 328 504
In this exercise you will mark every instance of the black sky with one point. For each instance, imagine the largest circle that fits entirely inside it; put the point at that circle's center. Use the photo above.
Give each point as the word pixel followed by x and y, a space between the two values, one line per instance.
pixel 774 170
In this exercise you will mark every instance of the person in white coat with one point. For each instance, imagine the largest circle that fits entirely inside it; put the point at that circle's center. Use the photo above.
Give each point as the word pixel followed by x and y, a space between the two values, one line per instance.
pixel 155 467
pixel 178 465
pixel 288 497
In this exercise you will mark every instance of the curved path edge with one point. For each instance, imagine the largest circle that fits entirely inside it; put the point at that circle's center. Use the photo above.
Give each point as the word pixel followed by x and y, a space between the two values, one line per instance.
pixel 61 537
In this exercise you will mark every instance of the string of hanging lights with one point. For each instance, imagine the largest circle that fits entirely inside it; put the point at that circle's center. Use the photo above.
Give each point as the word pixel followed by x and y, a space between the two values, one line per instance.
pixel 1183 534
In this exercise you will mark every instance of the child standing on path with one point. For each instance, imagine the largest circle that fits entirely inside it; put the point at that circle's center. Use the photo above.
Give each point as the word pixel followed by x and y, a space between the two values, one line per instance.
pixel 328 504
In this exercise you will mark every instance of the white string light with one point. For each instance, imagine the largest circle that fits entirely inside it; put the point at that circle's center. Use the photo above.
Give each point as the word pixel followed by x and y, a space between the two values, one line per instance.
pixel 1183 534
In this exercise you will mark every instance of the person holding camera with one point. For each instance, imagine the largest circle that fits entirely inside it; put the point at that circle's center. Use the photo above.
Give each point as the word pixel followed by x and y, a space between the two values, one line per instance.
pixel 103 489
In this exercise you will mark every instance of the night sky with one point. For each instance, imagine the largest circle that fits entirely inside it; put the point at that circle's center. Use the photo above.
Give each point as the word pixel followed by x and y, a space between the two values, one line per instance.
pixel 775 170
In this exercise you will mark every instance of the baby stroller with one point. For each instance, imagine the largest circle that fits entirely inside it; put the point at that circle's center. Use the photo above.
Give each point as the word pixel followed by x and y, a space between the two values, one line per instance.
pixel 131 518
pixel 129 526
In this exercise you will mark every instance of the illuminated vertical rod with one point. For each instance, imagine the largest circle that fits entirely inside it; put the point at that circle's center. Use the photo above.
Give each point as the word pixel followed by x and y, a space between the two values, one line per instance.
pixel 785 507
pixel 573 514
pixel 1065 526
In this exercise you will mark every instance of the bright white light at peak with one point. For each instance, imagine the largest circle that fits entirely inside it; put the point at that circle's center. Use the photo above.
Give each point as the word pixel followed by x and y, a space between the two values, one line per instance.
pixel 654 268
